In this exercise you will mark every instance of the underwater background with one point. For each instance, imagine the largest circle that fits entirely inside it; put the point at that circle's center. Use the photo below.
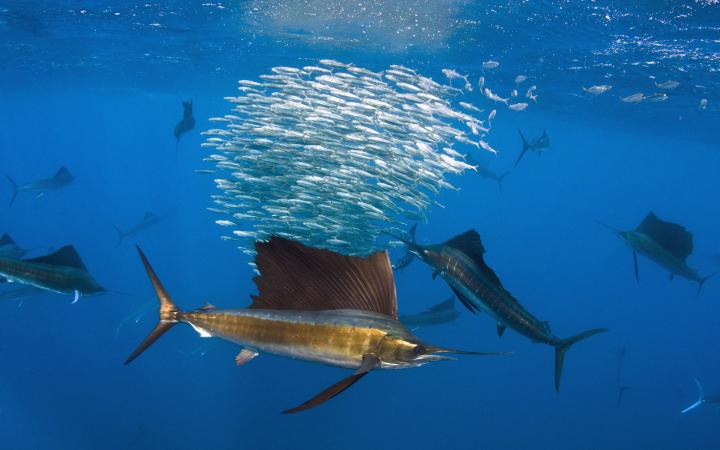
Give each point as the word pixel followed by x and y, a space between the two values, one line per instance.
pixel 97 87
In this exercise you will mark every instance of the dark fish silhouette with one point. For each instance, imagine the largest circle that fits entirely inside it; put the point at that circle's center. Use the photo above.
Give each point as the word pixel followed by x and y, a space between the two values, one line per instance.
pixel 62 178
pixel 186 124
pixel 622 388
pixel 490 175
pixel 314 305
pixel 484 171
pixel 621 391
pixel 62 271
pixel 147 221
pixel 439 314
pixel 9 249
pixel 702 399
pixel 667 244
pixel 460 262
pixel 539 145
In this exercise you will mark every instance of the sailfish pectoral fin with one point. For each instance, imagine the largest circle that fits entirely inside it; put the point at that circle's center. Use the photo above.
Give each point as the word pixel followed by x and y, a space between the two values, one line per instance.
pixel 245 356
pixel 76 297
pixel 635 265
pixel 369 362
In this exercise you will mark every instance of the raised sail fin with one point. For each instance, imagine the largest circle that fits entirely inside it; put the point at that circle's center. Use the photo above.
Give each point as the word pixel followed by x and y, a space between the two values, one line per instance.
pixel 470 244
pixel 672 237
pixel 66 256
pixel 6 240
pixel 293 276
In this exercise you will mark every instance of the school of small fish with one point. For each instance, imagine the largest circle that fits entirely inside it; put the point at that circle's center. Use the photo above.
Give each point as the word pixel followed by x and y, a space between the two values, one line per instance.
pixel 333 155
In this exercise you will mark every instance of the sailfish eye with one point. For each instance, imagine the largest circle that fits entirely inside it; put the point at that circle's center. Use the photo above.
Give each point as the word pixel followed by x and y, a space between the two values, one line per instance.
pixel 419 349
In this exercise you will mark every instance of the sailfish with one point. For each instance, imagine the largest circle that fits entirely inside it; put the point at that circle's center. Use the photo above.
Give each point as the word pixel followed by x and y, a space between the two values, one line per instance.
pixel 713 399
pixel 62 178
pixel 61 271
pixel 667 244
pixel 460 262
pixel 148 220
pixel 186 124
pixel 312 304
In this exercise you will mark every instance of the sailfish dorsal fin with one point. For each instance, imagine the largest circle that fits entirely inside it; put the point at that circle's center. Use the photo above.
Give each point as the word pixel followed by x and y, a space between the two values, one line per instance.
pixel 66 256
pixel 6 240
pixel 442 306
pixel 62 171
pixel 470 244
pixel 672 237
pixel 296 277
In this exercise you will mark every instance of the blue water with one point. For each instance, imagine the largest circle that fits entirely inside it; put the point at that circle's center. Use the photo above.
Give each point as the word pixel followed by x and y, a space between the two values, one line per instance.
pixel 99 91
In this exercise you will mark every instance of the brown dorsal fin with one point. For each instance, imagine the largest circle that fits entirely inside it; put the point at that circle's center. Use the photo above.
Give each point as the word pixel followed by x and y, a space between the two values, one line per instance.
pixel 293 276
pixel 672 237
pixel 66 256
pixel 470 244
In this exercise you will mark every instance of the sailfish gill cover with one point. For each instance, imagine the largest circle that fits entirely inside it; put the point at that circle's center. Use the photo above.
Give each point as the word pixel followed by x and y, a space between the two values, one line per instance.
pixel 194 129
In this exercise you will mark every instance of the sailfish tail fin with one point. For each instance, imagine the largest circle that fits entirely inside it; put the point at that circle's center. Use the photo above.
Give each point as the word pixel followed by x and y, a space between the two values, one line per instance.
pixel 169 313
pixel 700 400
pixel 562 346
pixel 500 180
pixel 525 148
pixel 702 281
pixel 121 235
pixel 14 186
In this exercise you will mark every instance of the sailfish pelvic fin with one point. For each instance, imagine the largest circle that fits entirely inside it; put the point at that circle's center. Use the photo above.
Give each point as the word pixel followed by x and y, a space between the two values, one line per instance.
pixel 369 362
pixel 635 266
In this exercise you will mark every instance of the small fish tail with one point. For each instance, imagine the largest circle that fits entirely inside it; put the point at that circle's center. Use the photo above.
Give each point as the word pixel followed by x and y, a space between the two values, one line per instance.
pixel 169 312
pixel 562 346
pixel 702 281
pixel 14 186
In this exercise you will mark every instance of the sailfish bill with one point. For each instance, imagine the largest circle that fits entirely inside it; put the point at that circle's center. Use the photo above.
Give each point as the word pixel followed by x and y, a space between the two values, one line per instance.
pixel 460 262
pixel 312 304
